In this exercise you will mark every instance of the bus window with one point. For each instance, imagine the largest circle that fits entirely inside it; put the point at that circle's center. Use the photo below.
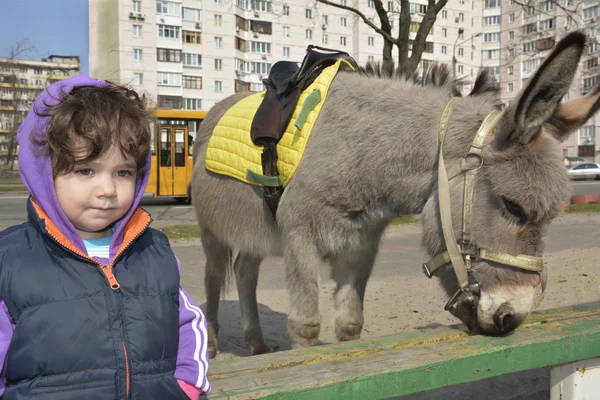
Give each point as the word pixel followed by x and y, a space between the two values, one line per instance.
pixel 191 140
pixel 152 139
pixel 179 148
pixel 165 147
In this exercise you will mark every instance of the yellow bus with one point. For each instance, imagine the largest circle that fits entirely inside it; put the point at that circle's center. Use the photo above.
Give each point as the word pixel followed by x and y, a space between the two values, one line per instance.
pixel 173 137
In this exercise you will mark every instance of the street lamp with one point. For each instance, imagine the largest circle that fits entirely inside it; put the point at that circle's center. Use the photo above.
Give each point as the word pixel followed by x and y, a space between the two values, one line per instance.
pixel 460 31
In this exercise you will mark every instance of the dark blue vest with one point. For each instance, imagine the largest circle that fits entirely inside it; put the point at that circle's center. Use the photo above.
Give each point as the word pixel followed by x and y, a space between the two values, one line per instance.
pixel 75 337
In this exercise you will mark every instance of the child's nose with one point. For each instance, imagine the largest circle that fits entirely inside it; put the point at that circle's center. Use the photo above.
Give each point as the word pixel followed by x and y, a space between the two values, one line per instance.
pixel 108 188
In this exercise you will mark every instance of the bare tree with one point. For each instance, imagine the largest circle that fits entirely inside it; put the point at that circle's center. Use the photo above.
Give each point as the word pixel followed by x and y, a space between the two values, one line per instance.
pixel 21 97
pixel 384 28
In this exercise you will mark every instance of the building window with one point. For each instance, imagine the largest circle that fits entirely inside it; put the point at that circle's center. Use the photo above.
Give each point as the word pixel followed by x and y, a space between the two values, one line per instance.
pixel 192 37
pixel 308 13
pixel 493 20
pixel 444 14
pixel 137 31
pixel 192 60
pixel 286 11
pixel 324 39
pixel 325 19
pixel 461 69
pixel 219 86
pixel 343 21
pixel 371 41
pixel 286 51
pixel 444 50
pixel 343 41
pixel 168 8
pixel 491 3
pixel 371 3
pixel 168 55
pixel 491 37
pixel 218 64
pixel 511 35
pixel 261 47
pixel 371 59
pixel 587 132
pixel 169 31
pixel 137 6
pixel 137 54
pixel 510 87
pixel 286 31
pixel 343 2
pixel 309 34
pixel 192 104
pixel 218 20
pixel 461 17
pixel 138 77
pixel 169 79
pixel 444 32
pixel 511 70
pixel 171 102
pixel 192 82
pixel 511 18
pixel 461 52
pixel 191 14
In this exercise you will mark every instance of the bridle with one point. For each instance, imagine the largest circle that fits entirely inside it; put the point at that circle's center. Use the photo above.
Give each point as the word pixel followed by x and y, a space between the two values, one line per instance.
pixel 462 254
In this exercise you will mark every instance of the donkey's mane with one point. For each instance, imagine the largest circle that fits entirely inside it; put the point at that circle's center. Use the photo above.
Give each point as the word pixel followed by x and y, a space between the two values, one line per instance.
pixel 438 75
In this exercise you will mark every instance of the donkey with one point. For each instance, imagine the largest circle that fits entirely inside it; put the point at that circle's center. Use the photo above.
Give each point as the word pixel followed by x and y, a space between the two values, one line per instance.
pixel 374 154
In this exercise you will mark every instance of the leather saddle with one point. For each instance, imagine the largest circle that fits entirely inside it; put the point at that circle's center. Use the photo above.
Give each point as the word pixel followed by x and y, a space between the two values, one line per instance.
pixel 284 84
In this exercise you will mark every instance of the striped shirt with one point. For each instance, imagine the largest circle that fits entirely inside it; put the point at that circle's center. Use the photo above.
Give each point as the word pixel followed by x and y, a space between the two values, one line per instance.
pixel 98 247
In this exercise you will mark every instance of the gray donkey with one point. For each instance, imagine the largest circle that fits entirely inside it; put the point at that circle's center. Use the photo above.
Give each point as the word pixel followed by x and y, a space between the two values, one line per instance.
pixel 374 155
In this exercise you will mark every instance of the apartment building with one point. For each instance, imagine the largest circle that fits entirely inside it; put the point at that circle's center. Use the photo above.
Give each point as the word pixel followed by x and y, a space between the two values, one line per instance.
pixel 529 33
pixel 190 54
pixel 20 83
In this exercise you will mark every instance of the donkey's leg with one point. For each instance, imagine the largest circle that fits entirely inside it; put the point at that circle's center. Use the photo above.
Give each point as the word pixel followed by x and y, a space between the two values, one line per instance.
pixel 351 272
pixel 218 260
pixel 302 273
pixel 246 269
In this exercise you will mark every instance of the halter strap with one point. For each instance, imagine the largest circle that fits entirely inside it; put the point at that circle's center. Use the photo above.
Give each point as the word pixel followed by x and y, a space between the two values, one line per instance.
pixel 460 256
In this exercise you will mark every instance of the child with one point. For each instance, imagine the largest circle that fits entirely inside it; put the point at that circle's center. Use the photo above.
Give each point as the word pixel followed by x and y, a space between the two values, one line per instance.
pixel 91 302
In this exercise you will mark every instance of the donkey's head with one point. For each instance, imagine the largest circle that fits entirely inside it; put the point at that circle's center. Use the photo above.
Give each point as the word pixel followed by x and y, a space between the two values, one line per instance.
pixel 519 189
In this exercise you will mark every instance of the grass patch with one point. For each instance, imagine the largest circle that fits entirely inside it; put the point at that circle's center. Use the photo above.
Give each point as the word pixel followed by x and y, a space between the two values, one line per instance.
pixel 181 232
pixel 11 181
pixel 593 207
pixel 12 189
pixel 406 219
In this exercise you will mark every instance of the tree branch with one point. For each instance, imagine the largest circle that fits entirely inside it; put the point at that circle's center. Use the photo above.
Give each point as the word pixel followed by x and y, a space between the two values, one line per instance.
pixel 386 35
pixel 433 9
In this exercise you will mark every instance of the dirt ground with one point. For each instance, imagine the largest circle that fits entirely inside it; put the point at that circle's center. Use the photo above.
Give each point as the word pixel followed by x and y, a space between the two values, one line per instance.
pixel 396 302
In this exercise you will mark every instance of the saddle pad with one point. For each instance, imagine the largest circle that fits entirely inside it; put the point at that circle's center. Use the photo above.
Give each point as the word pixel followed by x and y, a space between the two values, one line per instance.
pixel 231 151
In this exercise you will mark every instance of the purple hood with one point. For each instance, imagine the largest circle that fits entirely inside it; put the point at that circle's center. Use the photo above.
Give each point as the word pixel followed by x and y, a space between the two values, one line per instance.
pixel 36 170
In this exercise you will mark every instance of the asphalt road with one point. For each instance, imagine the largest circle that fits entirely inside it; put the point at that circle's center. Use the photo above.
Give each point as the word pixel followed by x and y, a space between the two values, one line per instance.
pixel 169 212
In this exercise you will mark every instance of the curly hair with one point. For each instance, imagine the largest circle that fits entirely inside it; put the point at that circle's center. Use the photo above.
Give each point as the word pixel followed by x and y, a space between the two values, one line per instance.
pixel 89 121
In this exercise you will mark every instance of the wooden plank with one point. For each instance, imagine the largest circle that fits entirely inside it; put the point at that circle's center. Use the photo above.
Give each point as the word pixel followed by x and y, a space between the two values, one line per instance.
pixel 409 363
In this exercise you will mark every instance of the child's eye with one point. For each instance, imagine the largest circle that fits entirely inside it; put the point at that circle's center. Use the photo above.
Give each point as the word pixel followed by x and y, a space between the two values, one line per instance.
pixel 124 174
pixel 84 171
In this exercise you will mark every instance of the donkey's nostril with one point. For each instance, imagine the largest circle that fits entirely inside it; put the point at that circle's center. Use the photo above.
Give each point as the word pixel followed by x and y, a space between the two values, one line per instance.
pixel 505 318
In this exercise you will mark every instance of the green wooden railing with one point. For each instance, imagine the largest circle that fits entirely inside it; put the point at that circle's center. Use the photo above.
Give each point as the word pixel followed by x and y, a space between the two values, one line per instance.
pixel 408 363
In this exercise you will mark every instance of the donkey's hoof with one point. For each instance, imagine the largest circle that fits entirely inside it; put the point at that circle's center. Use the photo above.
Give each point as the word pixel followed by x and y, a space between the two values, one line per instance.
pixel 303 335
pixel 212 352
pixel 348 332
pixel 259 349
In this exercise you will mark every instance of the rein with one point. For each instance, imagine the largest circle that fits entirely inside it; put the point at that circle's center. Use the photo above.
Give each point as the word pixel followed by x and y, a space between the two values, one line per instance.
pixel 461 254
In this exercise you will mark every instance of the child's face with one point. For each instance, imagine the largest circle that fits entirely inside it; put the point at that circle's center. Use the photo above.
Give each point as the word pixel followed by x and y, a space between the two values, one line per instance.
pixel 96 194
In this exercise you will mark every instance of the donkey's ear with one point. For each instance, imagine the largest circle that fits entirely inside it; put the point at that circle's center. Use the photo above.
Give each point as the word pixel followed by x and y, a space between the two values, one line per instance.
pixel 539 100
pixel 571 115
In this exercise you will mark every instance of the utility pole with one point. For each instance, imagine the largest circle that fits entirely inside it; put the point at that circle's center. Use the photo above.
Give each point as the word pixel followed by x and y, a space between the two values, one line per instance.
pixel 460 31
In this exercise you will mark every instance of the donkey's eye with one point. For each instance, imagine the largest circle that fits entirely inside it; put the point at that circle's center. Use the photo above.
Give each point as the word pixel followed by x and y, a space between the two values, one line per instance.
pixel 514 211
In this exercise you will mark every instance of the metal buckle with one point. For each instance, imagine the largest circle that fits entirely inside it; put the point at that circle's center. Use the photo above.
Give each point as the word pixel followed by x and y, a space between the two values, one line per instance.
pixel 426 271
pixel 452 300
pixel 473 155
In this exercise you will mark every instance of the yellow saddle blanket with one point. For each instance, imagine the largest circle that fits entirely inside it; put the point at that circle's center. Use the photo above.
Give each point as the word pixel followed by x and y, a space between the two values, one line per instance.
pixel 231 151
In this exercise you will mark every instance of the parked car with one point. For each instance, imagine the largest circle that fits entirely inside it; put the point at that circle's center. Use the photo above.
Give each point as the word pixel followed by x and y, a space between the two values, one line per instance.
pixel 585 171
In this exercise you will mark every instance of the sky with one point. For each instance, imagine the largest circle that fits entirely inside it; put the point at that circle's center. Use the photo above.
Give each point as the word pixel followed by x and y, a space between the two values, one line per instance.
pixel 54 27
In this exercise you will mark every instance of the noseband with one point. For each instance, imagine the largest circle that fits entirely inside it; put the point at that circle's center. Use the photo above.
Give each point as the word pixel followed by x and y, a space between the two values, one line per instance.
pixel 462 254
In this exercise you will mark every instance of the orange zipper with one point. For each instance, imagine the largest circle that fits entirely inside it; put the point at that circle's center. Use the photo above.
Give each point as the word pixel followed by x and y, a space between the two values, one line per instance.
pixel 127 377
